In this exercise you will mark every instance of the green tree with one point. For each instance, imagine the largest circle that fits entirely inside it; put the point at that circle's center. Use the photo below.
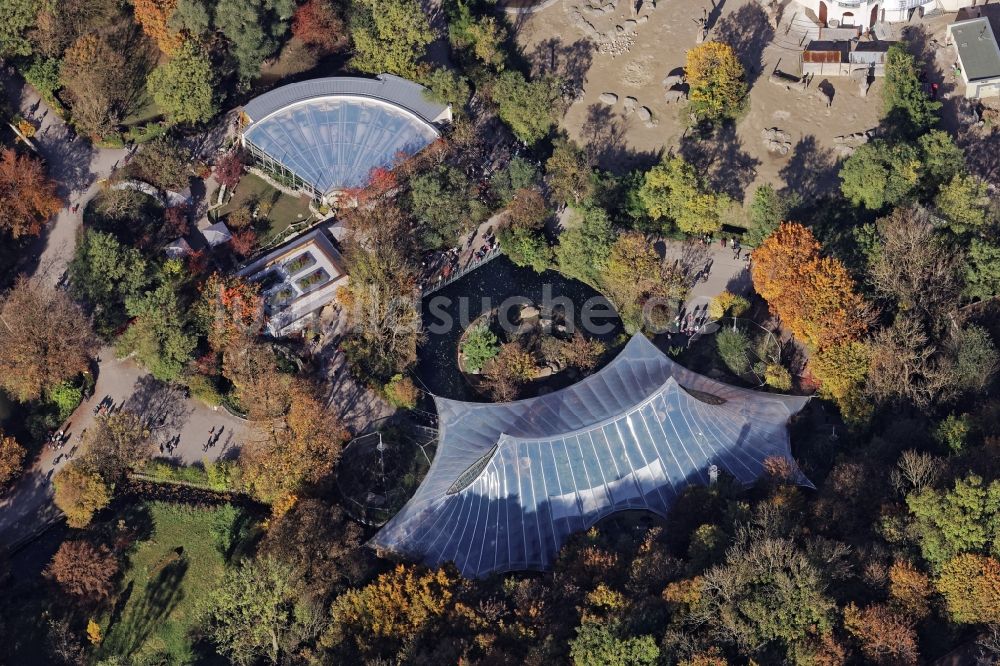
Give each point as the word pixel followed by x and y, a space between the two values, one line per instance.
pixel 447 87
pixel 600 644
pixel 585 245
pixel 105 273
pixel 907 107
pixel 251 611
pixel 941 159
pixel 254 28
pixel 16 18
pixel 43 74
pixel 674 191
pixel 390 36
pixel 965 202
pixel 733 346
pixel 157 334
pixel 480 37
pixel 982 269
pixel 190 16
pixel 519 174
pixel 768 209
pixel 182 87
pixel 768 591
pixel 528 107
pixel 568 173
pixel 881 174
pixel 443 200
pixel 962 520
pixel 479 346
pixel 526 246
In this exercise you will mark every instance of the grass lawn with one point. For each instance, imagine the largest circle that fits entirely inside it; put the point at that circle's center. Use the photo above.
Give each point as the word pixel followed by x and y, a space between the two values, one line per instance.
pixel 285 209
pixel 167 574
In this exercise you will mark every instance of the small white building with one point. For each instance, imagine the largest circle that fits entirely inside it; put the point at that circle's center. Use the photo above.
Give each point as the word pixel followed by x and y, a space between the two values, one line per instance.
pixel 864 14
pixel 978 56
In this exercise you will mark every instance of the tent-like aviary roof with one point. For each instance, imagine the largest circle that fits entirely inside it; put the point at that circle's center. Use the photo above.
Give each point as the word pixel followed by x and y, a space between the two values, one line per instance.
pixel 511 481
pixel 332 132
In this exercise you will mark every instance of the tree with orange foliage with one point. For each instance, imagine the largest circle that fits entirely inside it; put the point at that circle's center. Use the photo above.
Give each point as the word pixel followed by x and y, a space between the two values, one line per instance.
pixel 886 637
pixel 813 295
pixel 153 15
pixel 970 585
pixel 910 589
pixel 84 571
pixel 27 195
pixel 244 241
pixel 317 24
pixel 231 310
pixel 11 459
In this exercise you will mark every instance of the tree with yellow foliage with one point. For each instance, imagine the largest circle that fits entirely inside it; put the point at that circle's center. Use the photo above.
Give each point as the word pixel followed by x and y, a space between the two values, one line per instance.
pixel 80 493
pixel 970 585
pixel 394 609
pixel 717 82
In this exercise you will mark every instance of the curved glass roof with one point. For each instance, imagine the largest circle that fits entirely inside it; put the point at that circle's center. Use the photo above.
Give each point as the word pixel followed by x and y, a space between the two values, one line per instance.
pixel 333 143
pixel 631 436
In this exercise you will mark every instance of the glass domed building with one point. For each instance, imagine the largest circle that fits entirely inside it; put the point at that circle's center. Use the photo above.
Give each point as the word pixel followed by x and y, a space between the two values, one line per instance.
pixel 324 136
pixel 510 482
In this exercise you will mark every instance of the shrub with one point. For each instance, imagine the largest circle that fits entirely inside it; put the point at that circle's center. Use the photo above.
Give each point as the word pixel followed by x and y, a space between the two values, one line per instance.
pixel 777 377
pixel 203 388
pixel 401 392
pixel 953 431
pixel 66 397
pixel 733 346
pixel 480 346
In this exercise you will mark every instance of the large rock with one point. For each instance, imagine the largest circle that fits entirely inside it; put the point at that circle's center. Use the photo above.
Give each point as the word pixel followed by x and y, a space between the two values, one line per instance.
pixel 645 115
pixel 608 98
pixel 631 104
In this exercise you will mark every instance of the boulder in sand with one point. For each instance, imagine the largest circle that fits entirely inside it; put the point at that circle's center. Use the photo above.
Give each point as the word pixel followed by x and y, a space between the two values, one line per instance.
pixel 608 98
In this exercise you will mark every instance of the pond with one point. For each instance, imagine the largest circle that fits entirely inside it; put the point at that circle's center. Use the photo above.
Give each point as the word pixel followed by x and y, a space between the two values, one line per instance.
pixel 501 284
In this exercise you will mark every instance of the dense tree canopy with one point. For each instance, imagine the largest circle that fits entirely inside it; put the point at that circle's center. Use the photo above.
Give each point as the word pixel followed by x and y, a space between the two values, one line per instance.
pixel 528 107
pixel 389 37
pixel 674 192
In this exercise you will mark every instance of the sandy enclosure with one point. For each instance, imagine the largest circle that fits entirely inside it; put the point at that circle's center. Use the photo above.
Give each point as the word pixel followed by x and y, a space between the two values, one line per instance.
pixel 635 63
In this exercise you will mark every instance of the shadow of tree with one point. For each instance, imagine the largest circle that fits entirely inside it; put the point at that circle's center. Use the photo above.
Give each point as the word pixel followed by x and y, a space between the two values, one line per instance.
pixel 162 407
pixel 604 133
pixel 162 595
pixel 748 30
pixel 569 61
pixel 720 158
pixel 811 171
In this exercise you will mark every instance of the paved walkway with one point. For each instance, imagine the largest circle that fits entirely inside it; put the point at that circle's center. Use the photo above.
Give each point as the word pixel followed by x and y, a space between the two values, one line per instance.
pixel 127 386
pixel 78 169
pixel 75 165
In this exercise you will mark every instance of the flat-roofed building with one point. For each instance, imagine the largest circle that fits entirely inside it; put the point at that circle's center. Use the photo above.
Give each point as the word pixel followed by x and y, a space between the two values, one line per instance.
pixel 297 280
pixel 978 56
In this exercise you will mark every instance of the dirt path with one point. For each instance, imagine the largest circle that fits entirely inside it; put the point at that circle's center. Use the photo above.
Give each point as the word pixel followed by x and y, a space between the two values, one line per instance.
pixel 736 159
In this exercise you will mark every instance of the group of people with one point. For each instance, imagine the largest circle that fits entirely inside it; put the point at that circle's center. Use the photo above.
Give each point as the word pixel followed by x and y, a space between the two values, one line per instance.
pixel 168 446
pixel 689 323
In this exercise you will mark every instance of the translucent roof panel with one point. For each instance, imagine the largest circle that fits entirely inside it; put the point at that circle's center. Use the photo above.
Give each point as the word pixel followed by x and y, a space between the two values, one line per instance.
pixel 334 142
pixel 511 481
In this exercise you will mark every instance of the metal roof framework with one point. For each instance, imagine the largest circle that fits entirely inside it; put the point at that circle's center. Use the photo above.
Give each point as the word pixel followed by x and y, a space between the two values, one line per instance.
pixel 510 482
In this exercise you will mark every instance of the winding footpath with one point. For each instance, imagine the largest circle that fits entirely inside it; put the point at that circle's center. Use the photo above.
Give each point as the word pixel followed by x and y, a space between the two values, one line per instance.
pixel 79 168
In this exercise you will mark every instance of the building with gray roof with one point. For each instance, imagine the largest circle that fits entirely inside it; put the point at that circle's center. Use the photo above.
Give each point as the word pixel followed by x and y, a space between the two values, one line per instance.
pixel 510 482
pixel 324 136
pixel 978 56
